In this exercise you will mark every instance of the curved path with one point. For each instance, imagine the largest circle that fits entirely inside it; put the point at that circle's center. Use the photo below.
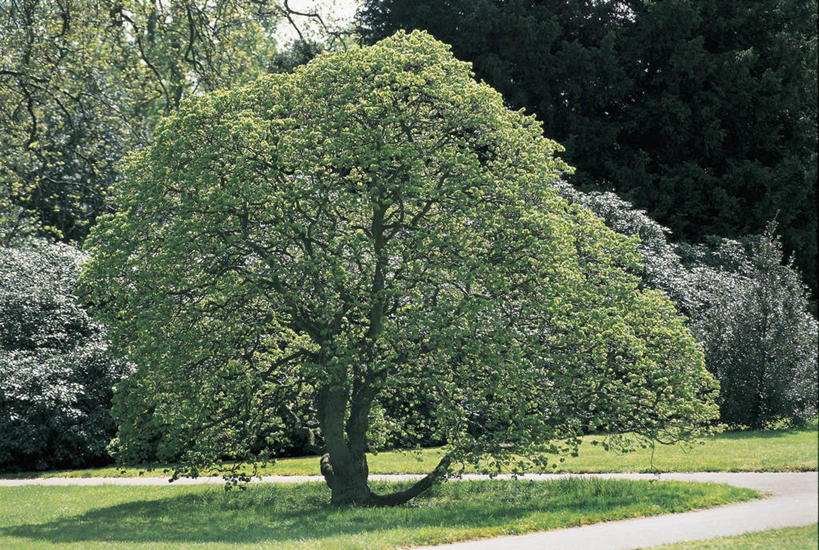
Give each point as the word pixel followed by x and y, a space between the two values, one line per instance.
pixel 791 501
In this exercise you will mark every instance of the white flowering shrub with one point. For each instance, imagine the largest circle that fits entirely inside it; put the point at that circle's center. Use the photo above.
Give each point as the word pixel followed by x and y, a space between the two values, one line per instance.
pixel 55 371
pixel 760 341
pixel 747 307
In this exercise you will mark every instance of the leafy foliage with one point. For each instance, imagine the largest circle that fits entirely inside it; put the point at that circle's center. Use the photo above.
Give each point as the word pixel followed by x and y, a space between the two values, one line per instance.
pixel 377 220
pixel 60 133
pixel 55 370
pixel 746 305
pixel 702 112
pixel 661 266
pixel 83 82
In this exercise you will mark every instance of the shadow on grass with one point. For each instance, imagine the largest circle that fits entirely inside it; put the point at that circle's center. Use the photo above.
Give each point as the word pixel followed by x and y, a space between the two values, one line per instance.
pixel 767 434
pixel 208 518
pixel 281 514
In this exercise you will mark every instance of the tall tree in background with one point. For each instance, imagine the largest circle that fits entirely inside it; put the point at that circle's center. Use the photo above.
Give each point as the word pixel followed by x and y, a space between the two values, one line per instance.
pixel 701 111
pixel 82 82
pixel 59 133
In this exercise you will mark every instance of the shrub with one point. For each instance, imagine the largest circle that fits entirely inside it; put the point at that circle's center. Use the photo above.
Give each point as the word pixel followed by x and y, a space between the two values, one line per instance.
pixel 55 371
pixel 759 338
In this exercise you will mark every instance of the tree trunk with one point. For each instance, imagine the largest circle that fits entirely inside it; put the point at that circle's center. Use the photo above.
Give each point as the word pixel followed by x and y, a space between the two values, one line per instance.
pixel 344 468
pixel 349 487
pixel 352 487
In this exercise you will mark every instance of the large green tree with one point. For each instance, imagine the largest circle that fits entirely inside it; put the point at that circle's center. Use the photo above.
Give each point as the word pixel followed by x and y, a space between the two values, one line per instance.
pixel 703 112
pixel 292 251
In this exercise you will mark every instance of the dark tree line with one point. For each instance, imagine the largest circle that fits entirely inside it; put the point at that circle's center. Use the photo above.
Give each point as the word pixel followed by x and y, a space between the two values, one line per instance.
pixel 703 112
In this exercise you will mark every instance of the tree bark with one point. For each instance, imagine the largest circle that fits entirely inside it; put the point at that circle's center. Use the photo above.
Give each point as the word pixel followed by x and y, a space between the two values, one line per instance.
pixel 344 469
pixel 344 465
pixel 348 484
pixel 354 489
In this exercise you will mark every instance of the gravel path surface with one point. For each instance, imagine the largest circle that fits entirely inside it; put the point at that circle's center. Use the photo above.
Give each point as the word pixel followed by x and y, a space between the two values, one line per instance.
pixel 791 501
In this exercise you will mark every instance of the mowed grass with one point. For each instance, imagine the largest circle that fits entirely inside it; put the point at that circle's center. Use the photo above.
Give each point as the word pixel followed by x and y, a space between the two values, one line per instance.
pixel 745 451
pixel 790 538
pixel 299 516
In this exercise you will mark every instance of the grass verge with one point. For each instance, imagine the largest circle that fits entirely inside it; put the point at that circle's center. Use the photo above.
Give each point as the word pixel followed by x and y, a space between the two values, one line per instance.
pixel 299 516
pixel 791 538
pixel 745 451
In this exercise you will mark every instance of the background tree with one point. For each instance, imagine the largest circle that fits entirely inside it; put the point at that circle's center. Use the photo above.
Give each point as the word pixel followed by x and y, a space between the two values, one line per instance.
pixel 760 340
pixel 55 370
pixel 701 112
pixel 60 133
pixel 83 82
pixel 378 220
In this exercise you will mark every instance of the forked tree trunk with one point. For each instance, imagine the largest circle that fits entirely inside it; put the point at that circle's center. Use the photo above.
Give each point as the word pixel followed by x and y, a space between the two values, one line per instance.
pixel 347 480
pixel 344 465
pixel 352 487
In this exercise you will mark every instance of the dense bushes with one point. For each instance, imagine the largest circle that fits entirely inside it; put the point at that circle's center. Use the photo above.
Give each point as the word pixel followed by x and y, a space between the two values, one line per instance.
pixel 759 339
pixel 55 372
pixel 747 308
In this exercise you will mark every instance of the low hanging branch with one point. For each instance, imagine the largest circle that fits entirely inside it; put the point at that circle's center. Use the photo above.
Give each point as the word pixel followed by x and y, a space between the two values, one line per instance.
pixel 400 497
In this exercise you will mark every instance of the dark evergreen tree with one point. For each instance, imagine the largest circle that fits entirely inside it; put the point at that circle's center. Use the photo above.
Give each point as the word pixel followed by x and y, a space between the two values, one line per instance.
pixel 703 112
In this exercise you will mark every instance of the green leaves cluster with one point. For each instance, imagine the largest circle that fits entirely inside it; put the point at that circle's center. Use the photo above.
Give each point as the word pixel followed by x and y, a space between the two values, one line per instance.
pixel 288 252
pixel 84 82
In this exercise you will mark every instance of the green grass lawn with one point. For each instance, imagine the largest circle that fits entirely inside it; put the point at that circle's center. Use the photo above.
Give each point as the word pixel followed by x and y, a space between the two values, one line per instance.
pixel 299 516
pixel 791 538
pixel 784 450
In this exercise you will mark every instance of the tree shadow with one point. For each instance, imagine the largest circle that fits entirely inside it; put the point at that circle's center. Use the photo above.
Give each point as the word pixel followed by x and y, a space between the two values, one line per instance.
pixel 248 519
pixel 765 434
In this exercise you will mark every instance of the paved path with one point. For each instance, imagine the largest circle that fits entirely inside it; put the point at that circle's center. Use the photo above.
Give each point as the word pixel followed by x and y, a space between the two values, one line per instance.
pixel 792 501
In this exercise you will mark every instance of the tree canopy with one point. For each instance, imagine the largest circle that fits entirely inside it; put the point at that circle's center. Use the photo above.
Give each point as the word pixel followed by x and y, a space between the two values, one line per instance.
pixel 702 112
pixel 292 251
pixel 83 82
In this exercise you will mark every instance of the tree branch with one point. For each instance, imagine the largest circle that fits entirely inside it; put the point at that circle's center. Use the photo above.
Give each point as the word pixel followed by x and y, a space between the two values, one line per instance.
pixel 400 497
